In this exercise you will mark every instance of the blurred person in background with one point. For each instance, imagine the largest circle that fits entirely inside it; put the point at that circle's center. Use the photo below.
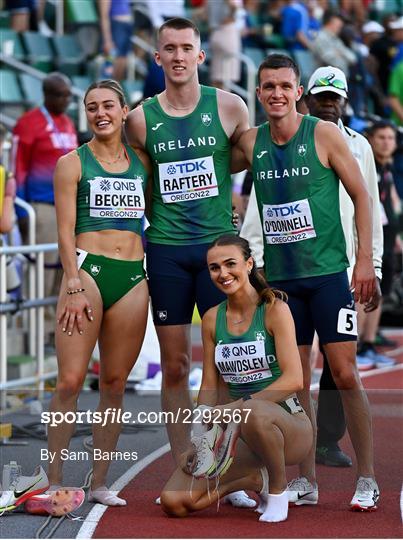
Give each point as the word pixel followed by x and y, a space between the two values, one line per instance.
pixel 7 191
pixel 384 50
pixel 116 20
pixel 225 42
pixel 40 137
pixel 382 137
pixel 328 48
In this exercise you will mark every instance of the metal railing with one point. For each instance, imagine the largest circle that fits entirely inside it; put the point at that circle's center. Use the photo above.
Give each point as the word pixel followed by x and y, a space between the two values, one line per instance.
pixel 37 307
pixel 77 92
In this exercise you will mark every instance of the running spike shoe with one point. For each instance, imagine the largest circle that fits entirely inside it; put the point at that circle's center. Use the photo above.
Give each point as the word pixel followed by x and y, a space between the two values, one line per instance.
pixel 226 450
pixel 23 488
pixel 56 503
pixel 366 495
pixel 301 491
pixel 206 450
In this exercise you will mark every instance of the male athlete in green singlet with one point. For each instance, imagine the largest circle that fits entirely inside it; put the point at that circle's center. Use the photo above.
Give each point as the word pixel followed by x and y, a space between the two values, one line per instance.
pixel 296 163
pixel 188 131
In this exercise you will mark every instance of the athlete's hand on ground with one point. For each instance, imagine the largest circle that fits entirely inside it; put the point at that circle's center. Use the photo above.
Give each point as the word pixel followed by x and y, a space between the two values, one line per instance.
pixel 72 313
pixel 187 461
pixel 376 298
pixel 364 281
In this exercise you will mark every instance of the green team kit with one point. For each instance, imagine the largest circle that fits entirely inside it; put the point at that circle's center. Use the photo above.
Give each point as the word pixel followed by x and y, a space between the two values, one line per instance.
pixel 191 200
pixel 298 201
pixel 248 363
pixel 114 201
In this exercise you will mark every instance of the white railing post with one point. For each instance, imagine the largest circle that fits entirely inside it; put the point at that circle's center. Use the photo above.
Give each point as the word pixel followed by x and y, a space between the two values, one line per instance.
pixel 40 314
pixel 3 331
pixel 31 274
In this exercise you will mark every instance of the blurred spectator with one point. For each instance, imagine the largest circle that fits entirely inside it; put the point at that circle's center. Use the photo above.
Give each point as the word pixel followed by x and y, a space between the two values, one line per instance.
pixel 225 42
pixel 354 10
pixel 252 33
pixel 384 50
pixel 295 25
pixel 376 99
pixel 396 93
pixel 382 137
pixel 41 136
pixel 161 10
pixel 117 25
pixel 397 35
pixel 328 48
pixel 7 191
pixel 27 15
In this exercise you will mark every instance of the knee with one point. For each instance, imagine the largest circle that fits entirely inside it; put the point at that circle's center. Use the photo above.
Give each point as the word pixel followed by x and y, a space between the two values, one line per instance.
pixel 176 369
pixel 69 386
pixel 113 387
pixel 347 378
pixel 172 504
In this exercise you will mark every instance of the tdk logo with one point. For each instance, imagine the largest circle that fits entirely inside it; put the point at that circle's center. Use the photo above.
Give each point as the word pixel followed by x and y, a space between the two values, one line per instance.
pixel 189 167
pixel 284 211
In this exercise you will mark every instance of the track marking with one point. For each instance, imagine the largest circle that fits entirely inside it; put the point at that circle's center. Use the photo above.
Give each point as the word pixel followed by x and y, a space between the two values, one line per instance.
pixel 91 521
pixel 369 373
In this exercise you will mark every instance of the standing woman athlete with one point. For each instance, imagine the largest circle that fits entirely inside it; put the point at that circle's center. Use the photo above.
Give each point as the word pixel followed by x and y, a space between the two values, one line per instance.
pixel 249 340
pixel 99 193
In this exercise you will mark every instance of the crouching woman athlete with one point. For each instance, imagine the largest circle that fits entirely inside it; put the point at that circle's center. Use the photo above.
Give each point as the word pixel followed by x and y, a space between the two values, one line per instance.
pixel 248 340
pixel 99 192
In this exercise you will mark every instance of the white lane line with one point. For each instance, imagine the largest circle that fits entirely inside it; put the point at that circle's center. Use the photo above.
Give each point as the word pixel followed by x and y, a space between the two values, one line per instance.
pixel 91 521
pixel 401 503
pixel 369 373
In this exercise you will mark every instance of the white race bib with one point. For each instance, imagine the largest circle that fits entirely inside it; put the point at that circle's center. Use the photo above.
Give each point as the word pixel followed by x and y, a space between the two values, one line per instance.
pixel 242 363
pixel 190 180
pixel 347 322
pixel 288 222
pixel 116 197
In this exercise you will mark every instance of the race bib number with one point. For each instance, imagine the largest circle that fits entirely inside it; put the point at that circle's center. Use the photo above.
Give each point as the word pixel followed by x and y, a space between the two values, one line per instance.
pixel 190 180
pixel 288 222
pixel 116 197
pixel 241 363
pixel 81 255
pixel 347 322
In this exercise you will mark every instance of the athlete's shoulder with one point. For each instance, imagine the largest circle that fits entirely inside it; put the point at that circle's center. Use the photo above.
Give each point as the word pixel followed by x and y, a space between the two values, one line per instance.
pixel 248 138
pixel 135 126
pixel 230 101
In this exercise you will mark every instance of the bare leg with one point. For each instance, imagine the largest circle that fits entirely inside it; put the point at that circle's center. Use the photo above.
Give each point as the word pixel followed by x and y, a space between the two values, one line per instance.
pixel 307 466
pixel 73 355
pixel 175 347
pixel 277 438
pixel 120 341
pixel 341 357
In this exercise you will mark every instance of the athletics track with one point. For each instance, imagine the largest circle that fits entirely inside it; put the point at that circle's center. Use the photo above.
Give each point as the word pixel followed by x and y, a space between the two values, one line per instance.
pixel 142 518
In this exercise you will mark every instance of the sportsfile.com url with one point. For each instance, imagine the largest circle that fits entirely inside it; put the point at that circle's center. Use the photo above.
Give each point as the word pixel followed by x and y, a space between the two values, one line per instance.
pixel 112 415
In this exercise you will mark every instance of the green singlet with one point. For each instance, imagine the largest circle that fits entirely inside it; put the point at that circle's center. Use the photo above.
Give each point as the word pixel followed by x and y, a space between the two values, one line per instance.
pixel 191 196
pixel 247 362
pixel 298 201
pixel 108 200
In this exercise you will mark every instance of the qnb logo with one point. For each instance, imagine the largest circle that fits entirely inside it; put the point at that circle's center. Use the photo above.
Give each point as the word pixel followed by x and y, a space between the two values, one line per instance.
pixel 226 352
pixel 105 185
pixel 284 211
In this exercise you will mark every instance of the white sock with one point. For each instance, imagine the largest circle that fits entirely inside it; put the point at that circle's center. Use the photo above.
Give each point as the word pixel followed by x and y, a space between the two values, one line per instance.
pixel 264 492
pixel 240 499
pixel 104 496
pixel 277 508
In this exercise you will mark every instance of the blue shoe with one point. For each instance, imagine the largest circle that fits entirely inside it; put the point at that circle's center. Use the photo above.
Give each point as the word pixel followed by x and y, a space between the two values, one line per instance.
pixel 364 362
pixel 380 360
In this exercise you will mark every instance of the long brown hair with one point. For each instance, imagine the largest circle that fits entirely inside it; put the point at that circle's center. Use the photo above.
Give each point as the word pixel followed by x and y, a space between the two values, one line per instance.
pixel 266 293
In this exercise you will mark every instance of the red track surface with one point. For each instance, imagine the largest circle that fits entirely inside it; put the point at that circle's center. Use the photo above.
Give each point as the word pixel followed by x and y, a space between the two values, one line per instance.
pixel 142 518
